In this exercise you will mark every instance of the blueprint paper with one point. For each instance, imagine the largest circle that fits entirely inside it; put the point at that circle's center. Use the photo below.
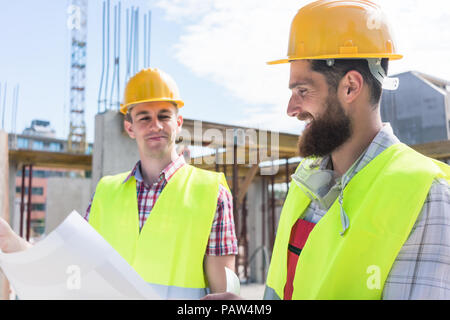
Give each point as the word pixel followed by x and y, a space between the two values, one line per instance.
pixel 73 262
pixel 233 282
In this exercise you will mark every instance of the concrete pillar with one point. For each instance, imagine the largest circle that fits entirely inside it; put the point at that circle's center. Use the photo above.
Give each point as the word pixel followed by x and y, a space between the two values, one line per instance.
pixel 114 151
pixel 4 200
pixel 4 179
pixel 63 196
pixel 254 227
pixel 259 255
pixel 13 211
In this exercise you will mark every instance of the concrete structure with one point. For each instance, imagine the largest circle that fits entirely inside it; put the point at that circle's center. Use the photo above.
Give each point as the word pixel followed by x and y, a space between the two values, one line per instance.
pixel 12 170
pixel 114 150
pixel 40 197
pixel 41 138
pixel 258 253
pixel 63 196
pixel 40 128
pixel 4 199
pixel 45 165
pixel 419 110
pixel 259 229
pixel 41 143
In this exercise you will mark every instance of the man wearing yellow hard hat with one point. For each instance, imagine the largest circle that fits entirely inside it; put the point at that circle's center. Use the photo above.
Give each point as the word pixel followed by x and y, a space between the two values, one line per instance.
pixel 366 216
pixel 171 221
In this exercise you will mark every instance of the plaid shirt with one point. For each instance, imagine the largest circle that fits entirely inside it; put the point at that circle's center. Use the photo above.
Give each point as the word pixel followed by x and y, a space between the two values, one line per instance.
pixel 222 239
pixel 422 267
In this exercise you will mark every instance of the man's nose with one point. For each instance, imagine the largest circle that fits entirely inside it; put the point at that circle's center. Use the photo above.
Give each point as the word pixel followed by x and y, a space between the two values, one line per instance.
pixel 293 109
pixel 155 124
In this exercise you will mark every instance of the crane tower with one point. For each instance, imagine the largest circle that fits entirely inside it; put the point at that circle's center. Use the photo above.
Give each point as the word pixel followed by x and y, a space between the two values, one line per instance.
pixel 77 24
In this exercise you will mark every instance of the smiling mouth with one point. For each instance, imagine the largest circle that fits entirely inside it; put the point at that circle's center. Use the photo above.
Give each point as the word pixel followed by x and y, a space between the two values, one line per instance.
pixel 308 122
pixel 307 118
pixel 155 137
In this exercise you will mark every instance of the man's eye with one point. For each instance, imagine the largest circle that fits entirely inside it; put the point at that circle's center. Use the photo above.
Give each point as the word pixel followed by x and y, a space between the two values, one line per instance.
pixel 164 117
pixel 144 119
pixel 301 92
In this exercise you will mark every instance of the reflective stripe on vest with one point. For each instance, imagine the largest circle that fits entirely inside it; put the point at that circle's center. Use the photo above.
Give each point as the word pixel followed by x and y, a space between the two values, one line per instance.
pixel 382 201
pixel 169 250
pixel 270 294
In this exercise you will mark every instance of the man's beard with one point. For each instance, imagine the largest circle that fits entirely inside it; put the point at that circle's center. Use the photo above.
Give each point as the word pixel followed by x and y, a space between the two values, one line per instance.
pixel 326 133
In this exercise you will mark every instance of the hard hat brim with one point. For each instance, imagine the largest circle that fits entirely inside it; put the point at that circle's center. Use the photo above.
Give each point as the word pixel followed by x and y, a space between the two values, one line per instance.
pixel 280 61
pixel 124 108
pixel 338 56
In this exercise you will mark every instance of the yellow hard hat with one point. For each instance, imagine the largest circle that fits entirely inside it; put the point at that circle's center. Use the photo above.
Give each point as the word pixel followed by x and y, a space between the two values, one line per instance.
pixel 349 29
pixel 150 85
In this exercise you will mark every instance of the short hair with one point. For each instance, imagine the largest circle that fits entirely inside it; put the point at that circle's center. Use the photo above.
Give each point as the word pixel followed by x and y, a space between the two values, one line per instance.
pixel 339 69
pixel 128 117
pixel 128 114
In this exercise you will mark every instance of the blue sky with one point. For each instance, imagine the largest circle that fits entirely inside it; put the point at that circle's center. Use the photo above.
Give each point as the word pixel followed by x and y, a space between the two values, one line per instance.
pixel 35 55
pixel 215 50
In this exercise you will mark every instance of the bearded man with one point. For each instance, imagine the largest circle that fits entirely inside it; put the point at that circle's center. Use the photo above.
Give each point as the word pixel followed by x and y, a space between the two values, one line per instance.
pixel 366 217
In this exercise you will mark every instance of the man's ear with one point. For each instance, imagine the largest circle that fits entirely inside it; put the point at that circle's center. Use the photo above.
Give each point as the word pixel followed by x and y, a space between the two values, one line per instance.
pixel 128 128
pixel 351 86
pixel 179 123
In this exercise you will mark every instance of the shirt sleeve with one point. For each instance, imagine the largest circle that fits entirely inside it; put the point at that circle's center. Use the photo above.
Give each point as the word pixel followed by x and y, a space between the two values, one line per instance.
pixel 422 267
pixel 222 240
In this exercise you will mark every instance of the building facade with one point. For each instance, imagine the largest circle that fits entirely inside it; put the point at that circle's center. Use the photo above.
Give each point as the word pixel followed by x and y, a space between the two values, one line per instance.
pixel 419 110
pixel 38 137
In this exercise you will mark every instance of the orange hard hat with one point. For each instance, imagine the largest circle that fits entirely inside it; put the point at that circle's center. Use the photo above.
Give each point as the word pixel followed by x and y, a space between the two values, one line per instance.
pixel 150 85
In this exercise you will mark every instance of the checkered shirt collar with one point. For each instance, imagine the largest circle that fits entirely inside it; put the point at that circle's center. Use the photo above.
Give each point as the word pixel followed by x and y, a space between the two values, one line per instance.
pixel 166 173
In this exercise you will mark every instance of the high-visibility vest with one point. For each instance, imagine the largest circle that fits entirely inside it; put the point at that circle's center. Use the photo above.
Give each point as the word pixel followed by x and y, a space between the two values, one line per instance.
pixel 168 252
pixel 383 202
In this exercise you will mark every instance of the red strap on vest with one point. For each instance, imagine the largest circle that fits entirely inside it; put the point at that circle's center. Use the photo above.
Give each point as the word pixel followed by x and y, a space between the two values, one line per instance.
pixel 299 234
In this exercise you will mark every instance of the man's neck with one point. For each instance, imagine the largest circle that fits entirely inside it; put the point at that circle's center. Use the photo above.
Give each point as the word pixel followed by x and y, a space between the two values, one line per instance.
pixel 363 134
pixel 152 166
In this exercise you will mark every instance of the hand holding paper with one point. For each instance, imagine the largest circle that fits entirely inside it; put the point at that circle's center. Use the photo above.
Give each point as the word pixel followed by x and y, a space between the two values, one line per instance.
pixel 73 262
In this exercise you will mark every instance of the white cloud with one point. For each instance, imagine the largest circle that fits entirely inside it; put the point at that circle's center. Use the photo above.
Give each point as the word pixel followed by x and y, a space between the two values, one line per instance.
pixel 186 10
pixel 230 41
pixel 422 31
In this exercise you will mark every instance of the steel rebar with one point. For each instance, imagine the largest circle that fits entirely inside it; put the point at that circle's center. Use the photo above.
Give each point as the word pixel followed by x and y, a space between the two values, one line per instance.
pixel 103 59
pixel 114 58
pixel 149 37
pixel 107 52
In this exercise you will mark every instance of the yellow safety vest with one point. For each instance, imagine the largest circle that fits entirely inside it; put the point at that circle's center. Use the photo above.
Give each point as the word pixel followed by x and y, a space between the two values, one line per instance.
pixel 383 202
pixel 168 253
